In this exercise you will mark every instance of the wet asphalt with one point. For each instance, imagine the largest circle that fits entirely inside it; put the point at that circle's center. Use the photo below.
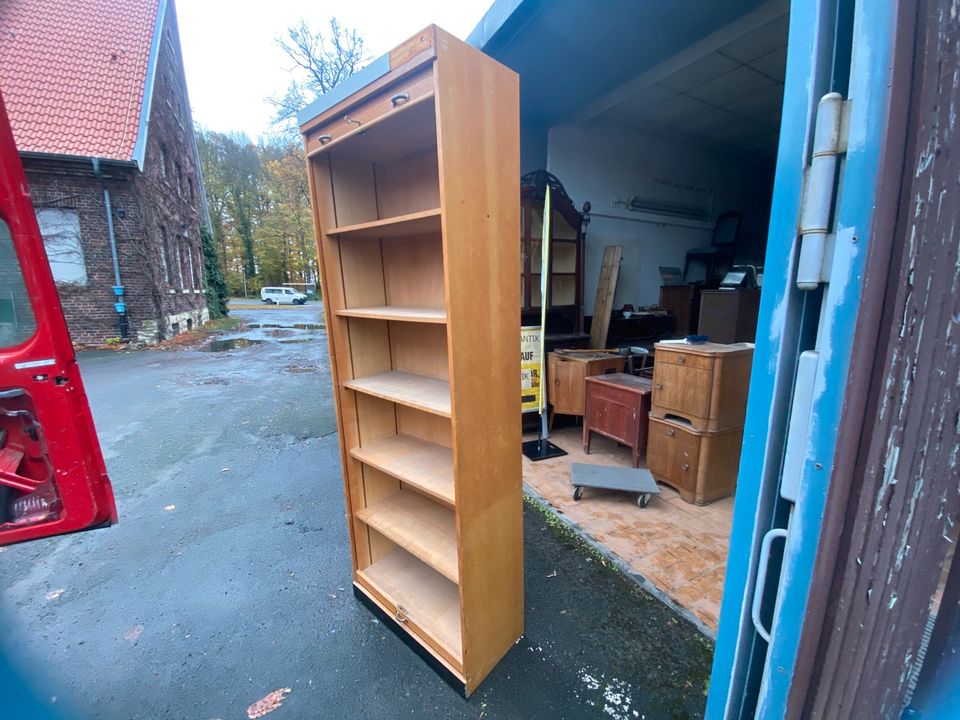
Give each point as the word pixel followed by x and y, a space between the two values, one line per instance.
pixel 228 576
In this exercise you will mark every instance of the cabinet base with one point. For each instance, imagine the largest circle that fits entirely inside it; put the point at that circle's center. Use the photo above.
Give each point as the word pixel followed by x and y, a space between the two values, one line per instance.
pixel 694 497
pixel 438 667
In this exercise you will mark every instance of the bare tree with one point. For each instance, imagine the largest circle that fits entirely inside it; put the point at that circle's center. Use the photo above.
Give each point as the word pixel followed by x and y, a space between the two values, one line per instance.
pixel 321 62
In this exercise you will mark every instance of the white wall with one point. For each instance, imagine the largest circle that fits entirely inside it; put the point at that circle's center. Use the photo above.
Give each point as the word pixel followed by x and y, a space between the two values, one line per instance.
pixel 599 160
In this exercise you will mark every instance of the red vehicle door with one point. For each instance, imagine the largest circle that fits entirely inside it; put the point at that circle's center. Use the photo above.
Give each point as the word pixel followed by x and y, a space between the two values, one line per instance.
pixel 52 476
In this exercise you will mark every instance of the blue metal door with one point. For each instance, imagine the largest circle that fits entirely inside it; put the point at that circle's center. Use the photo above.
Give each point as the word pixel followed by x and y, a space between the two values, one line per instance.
pixel 838 62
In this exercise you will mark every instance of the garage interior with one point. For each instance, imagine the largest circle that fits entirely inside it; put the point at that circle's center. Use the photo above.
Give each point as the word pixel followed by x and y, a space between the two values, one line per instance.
pixel 674 147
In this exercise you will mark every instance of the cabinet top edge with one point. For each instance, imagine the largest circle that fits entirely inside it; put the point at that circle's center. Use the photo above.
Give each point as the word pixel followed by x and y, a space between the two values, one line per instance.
pixel 410 55
pixel 707 348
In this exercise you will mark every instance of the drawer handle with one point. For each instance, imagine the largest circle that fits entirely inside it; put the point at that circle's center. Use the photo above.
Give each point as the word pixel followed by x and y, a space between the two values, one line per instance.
pixel 348 119
pixel 681 360
pixel 671 432
pixel 659 386
pixel 401 614
pixel 686 466
pixel 324 139
pixel 400 98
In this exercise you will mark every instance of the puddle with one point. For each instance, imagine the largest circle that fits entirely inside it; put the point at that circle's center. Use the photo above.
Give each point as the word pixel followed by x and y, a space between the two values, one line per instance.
pixel 214 381
pixel 297 326
pixel 231 344
pixel 300 369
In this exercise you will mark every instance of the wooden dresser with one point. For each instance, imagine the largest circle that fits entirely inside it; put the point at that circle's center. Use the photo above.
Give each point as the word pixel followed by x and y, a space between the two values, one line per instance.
pixel 415 188
pixel 696 417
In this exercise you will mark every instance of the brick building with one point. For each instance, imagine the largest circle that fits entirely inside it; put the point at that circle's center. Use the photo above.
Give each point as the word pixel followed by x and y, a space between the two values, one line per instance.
pixel 97 98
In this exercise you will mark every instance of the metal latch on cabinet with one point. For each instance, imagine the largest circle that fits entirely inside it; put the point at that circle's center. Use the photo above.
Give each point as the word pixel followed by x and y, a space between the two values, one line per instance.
pixel 819 191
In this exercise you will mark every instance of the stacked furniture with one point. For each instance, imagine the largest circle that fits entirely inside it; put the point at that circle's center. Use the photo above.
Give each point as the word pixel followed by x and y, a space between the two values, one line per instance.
pixel 414 182
pixel 696 417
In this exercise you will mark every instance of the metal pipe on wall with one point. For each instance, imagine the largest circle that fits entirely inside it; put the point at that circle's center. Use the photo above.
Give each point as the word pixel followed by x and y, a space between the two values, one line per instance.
pixel 120 306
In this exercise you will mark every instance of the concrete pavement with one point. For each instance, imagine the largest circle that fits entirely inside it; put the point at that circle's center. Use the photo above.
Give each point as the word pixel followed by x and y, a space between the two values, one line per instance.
pixel 228 576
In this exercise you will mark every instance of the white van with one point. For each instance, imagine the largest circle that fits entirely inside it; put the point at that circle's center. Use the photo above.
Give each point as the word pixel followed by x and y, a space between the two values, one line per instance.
pixel 282 296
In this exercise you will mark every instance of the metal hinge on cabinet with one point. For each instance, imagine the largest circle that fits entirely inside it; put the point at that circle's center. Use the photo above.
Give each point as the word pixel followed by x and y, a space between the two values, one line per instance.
pixel 819 191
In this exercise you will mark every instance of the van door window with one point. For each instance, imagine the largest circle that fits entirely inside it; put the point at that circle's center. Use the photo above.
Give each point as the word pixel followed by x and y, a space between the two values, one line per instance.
pixel 17 323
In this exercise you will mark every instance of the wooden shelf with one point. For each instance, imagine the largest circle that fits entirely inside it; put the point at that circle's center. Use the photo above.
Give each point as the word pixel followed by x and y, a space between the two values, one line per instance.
pixel 400 314
pixel 420 526
pixel 430 600
pixel 407 285
pixel 417 223
pixel 426 466
pixel 416 391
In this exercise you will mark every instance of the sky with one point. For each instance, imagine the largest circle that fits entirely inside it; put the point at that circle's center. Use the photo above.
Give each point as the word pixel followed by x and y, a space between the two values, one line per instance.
pixel 233 63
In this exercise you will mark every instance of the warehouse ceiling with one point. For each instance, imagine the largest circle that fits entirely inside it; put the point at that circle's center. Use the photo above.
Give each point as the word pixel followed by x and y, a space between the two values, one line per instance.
pixel 706 73
pixel 728 99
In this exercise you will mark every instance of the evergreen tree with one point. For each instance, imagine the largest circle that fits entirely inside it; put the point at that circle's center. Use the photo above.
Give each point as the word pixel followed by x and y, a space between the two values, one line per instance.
pixel 215 287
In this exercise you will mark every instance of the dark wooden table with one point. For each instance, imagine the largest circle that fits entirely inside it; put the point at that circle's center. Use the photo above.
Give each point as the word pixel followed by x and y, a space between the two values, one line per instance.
pixel 617 406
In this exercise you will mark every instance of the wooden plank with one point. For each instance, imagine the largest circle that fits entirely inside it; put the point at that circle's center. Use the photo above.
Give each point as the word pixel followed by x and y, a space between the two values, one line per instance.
pixel 410 224
pixel 429 600
pixel 606 289
pixel 401 314
pixel 416 391
pixel 426 466
pixel 479 145
pixel 422 527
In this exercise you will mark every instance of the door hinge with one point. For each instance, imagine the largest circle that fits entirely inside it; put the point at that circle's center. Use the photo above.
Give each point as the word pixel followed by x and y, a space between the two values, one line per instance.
pixel 819 191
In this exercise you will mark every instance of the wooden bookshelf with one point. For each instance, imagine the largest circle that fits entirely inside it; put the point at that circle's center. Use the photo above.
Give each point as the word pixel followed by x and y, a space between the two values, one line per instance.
pixel 416 202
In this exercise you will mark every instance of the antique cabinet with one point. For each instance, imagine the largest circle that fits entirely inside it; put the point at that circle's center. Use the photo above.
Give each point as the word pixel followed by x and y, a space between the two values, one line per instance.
pixel 566 375
pixel 683 302
pixel 617 406
pixel 565 271
pixel 701 466
pixel 696 417
pixel 705 385
pixel 729 316
pixel 414 182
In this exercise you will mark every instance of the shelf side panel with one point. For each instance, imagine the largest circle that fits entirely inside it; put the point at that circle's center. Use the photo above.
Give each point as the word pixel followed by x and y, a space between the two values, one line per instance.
pixel 478 125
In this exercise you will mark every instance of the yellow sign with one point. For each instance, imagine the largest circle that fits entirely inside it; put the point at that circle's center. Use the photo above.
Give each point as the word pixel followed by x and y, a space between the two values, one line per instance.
pixel 530 368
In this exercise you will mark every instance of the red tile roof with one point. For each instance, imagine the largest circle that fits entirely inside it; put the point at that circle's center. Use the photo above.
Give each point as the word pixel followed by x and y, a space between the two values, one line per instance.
pixel 72 73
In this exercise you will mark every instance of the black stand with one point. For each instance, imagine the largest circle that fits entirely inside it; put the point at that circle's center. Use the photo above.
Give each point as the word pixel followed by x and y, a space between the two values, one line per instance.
pixel 541 449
